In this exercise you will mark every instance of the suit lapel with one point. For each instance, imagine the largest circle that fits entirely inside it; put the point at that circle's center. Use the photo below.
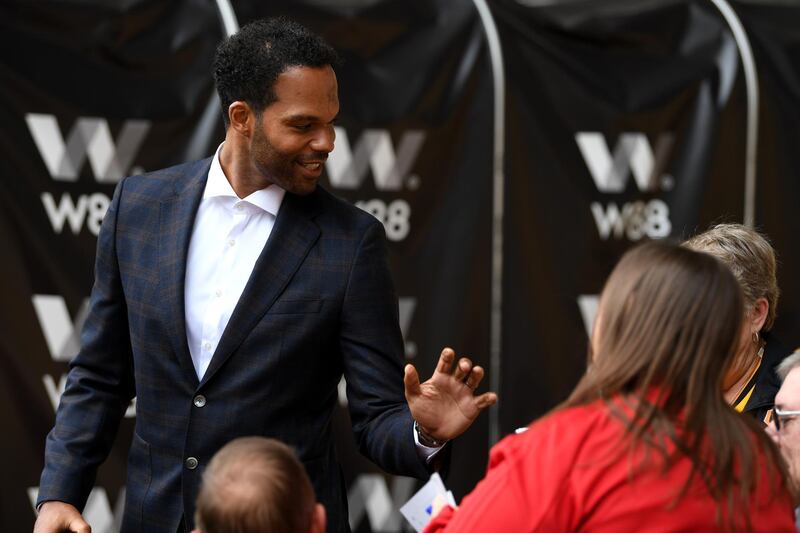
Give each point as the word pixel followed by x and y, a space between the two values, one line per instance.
pixel 175 224
pixel 291 239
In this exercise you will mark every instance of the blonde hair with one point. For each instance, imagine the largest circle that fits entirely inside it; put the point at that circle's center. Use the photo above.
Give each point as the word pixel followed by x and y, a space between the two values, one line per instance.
pixel 787 365
pixel 750 257
pixel 255 484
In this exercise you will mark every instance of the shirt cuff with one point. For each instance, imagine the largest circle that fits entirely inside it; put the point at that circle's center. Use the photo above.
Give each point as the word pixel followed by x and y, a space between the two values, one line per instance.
pixel 426 453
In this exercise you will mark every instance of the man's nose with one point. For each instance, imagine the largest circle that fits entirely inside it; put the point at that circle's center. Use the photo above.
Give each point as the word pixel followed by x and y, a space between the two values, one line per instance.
pixel 324 140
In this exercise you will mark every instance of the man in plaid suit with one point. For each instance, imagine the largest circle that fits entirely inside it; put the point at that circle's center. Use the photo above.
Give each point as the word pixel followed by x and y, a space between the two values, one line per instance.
pixel 230 296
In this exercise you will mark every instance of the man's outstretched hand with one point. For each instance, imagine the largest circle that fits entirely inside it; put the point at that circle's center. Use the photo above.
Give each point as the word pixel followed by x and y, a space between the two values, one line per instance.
pixel 446 405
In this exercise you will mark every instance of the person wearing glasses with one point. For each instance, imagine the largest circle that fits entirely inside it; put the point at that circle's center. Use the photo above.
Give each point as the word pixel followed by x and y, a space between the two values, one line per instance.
pixel 784 428
pixel 646 441
pixel 751 382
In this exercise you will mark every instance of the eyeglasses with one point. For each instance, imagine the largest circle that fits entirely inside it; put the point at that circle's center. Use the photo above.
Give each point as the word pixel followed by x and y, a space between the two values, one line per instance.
pixel 781 416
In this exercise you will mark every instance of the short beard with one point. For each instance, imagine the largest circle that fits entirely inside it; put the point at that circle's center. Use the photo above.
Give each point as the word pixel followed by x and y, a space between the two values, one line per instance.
pixel 274 166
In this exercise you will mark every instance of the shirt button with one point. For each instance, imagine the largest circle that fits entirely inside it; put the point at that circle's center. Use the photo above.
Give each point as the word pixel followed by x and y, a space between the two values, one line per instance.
pixel 207 346
pixel 191 463
pixel 218 293
pixel 231 243
pixel 199 400
pixel 239 207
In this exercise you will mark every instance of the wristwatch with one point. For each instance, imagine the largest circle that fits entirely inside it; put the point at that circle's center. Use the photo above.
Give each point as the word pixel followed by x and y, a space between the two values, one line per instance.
pixel 426 440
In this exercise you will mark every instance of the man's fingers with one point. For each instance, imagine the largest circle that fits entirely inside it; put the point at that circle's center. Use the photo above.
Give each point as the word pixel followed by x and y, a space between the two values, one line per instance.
pixel 55 517
pixel 411 381
pixel 462 369
pixel 485 400
pixel 79 525
pixel 445 361
pixel 474 378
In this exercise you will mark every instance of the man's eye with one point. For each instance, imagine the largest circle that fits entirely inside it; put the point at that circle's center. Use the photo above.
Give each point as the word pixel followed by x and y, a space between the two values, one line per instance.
pixel 302 127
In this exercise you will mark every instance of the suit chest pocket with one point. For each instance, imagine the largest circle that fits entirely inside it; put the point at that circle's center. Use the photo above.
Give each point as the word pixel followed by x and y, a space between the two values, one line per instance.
pixel 296 307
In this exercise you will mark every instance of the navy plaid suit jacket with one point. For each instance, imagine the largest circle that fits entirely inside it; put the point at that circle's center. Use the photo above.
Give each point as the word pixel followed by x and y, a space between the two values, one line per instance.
pixel 319 303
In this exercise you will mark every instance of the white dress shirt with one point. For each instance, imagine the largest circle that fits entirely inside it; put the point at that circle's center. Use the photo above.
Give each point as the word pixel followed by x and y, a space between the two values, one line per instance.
pixel 228 236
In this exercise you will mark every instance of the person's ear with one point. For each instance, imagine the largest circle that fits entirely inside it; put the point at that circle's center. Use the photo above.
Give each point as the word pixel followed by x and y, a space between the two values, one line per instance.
pixel 758 314
pixel 318 519
pixel 241 118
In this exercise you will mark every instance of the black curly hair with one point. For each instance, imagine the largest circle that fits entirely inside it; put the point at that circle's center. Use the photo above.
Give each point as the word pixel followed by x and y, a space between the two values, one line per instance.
pixel 247 63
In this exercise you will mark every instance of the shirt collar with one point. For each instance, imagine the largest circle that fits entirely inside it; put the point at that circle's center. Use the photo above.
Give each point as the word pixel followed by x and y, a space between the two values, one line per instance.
pixel 218 186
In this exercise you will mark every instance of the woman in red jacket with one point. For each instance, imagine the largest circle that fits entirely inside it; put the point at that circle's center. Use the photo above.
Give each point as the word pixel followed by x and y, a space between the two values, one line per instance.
pixel 646 441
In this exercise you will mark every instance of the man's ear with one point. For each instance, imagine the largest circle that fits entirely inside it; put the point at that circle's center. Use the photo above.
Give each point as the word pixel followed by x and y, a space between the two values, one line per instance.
pixel 241 118
pixel 318 519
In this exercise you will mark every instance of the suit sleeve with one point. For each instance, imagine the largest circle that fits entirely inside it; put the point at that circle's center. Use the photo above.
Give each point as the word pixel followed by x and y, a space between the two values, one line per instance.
pixel 372 350
pixel 99 385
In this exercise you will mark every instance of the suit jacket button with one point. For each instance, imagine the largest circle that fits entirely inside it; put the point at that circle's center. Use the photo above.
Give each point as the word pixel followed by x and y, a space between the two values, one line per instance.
pixel 199 400
pixel 191 463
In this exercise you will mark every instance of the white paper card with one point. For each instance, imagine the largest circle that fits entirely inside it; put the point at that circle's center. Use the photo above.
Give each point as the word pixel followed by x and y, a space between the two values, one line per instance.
pixel 429 499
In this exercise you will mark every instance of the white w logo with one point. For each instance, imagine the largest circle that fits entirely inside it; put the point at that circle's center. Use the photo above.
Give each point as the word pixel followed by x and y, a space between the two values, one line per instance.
pixel 347 169
pixel 632 154
pixel 369 496
pixel 61 333
pixel 90 136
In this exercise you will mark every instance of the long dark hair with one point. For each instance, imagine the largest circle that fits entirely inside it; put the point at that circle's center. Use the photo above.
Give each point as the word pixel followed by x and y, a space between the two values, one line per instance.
pixel 665 335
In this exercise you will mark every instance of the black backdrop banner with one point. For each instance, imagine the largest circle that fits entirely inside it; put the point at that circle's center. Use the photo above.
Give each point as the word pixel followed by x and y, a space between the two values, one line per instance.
pixel 772 27
pixel 624 121
pixel 623 118
pixel 627 121
pixel 91 91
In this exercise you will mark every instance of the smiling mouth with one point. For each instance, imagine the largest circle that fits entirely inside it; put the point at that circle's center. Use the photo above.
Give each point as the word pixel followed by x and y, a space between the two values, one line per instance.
pixel 310 166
